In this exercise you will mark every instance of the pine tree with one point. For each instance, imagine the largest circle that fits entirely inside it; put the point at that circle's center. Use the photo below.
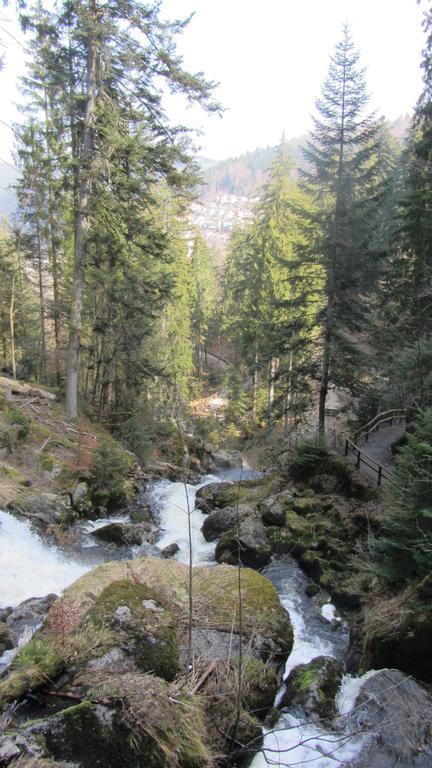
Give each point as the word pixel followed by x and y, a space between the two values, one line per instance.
pixel 203 296
pixel 344 184
pixel 404 545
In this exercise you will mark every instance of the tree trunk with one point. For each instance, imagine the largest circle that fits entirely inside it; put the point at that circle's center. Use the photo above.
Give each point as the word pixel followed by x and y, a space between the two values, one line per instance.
pixel 52 243
pixel 288 396
pixel 82 223
pixel 325 366
pixel 41 302
pixel 12 326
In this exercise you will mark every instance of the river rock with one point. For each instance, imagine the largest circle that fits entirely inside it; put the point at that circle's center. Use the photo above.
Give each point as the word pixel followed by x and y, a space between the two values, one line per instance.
pixel 251 545
pixel 81 500
pixel 228 459
pixel 170 550
pixel 125 534
pixel 168 471
pixel 29 614
pixel 207 496
pixel 45 508
pixel 223 520
pixel 141 514
pixel 6 641
pixel 272 512
pixel 397 714
pixel 312 688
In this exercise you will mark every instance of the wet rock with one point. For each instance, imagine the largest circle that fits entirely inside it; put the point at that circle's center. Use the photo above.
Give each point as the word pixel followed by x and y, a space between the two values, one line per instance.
pixel 6 638
pixel 396 713
pixel 168 471
pixel 141 514
pixel 222 520
pixel 206 496
pixel 170 550
pixel 250 545
pixel 44 508
pixel 272 512
pixel 126 534
pixel 29 614
pixel 227 459
pixel 312 688
pixel 398 634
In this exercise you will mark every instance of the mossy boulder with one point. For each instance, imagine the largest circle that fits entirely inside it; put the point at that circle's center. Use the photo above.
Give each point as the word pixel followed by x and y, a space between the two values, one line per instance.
pixel 221 520
pixel 249 492
pixel 249 545
pixel 273 512
pixel 123 534
pixel 312 688
pixel 140 623
pixel 115 640
pixel 43 508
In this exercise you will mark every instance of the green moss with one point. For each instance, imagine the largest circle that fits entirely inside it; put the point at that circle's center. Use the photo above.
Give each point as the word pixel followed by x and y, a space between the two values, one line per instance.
pixel 152 630
pixel 34 664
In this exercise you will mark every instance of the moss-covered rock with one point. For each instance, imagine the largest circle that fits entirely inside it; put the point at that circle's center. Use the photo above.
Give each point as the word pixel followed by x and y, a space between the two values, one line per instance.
pixel 249 545
pixel 312 688
pixel 141 624
pixel 221 520
pixel 249 492
pixel 44 508
pixel 273 512
pixel 5 637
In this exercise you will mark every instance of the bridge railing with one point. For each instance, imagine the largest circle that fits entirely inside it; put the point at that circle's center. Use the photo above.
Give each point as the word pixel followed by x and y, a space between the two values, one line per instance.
pixel 393 416
pixel 382 473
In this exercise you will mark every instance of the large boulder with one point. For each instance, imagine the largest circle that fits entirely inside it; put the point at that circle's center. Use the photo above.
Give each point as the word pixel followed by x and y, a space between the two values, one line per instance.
pixel 396 714
pixel 249 545
pixel 222 520
pixel 43 508
pixel 227 459
pixel 124 534
pixel 112 645
pixel 273 511
pixel 313 687
pixel 219 495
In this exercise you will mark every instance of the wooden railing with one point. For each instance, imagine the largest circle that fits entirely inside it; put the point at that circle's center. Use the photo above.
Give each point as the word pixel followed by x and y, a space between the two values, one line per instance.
pixel 393 417
pixel 396 415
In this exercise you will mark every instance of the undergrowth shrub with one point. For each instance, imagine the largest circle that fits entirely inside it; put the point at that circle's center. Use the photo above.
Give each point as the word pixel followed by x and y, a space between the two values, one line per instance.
pixel 108 472
pixel 307 455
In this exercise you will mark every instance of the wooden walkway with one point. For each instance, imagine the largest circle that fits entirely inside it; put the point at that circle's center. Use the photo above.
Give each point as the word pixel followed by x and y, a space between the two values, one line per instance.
pixel 370 447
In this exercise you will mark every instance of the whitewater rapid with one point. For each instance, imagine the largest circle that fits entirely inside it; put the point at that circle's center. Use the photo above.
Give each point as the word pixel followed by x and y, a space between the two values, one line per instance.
pixel 29 567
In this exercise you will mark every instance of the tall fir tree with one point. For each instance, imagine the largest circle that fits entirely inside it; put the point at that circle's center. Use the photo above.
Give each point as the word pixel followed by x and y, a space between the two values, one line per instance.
pixel 344 183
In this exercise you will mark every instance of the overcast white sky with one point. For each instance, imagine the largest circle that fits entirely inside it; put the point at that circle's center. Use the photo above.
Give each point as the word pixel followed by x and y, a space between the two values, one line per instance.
pixel 270 59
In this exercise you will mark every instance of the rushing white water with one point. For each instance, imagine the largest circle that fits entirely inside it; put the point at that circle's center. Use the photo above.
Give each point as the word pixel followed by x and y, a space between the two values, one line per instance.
pixel 174 507
pixel 28 566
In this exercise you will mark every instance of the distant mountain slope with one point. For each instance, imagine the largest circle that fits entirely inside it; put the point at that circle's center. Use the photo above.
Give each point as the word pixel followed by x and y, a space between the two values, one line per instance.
pixel 243 175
